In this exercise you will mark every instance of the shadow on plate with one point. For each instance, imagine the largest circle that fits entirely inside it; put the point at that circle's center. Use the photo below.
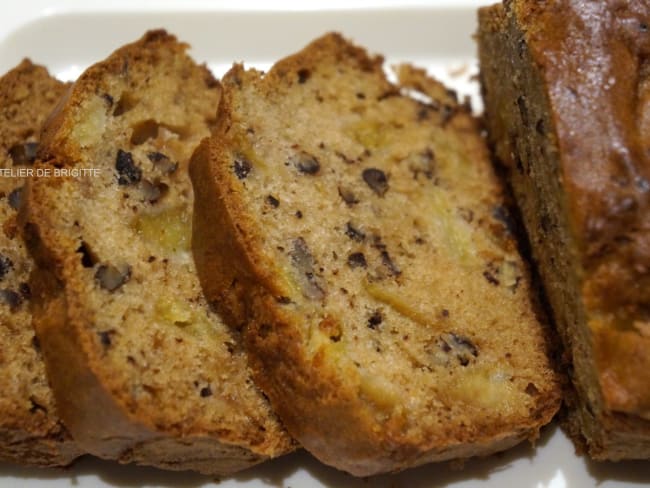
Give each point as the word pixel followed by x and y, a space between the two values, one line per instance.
pixel 625 471
pixel 279 473
pixel 108 472
pixel 430 476
pixel 301 469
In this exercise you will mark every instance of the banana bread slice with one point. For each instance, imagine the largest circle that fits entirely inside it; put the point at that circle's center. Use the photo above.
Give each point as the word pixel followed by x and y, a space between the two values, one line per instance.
pixel 364 250
pixel 30 430
pixel 142 369
pixel 567 94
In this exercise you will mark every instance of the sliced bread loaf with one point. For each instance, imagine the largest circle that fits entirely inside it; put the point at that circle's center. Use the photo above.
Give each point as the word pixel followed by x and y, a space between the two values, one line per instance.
pixel 142 369
pixel 567 94
pixel 364 249
pixel 30 430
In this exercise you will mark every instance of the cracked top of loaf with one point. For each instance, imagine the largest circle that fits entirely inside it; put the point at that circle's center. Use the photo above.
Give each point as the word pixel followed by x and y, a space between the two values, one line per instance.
pixel 593 62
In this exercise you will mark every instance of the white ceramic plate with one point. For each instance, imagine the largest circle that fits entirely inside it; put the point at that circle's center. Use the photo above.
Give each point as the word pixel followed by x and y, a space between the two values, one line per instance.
pixel 69 35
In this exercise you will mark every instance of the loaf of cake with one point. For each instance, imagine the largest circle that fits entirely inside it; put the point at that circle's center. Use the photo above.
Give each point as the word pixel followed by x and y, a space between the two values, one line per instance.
pixel 30 429
pixel 358 239
pixel 566 86
pixel 142 369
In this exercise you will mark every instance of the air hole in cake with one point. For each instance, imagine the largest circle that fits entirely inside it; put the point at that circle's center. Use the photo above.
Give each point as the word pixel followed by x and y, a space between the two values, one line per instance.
pixel 531 389
pixel 180 131
pixel 271 200
pixel 125 104
pixel 88 257
pixel 162 162
pixel 303 75
pixel 143 131
pixel 347 195
pixel 519 164
pixel 105 337
pixel 36 407
pixel 150 129
pixel 153 191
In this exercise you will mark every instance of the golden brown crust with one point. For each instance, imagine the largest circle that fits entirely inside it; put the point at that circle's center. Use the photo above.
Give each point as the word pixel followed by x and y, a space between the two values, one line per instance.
pixel 111 348
pixel 319 400
pixel 95 80
pixel 580 95
pixel 73 379
pixel 30 430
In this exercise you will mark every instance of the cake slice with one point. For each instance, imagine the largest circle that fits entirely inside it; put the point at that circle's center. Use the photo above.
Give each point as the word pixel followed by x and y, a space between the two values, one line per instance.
pixel 30 429
pixel 567 95
pixel 142 369
pixel 358 237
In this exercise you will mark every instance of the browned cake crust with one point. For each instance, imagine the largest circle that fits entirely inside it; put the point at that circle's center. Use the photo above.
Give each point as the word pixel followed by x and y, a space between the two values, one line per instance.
pixel 30 430
pixel 142 369
pixel 362 249
pixel 567 93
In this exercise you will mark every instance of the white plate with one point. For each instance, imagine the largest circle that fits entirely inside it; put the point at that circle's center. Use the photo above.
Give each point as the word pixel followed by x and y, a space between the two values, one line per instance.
pixel 69 35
